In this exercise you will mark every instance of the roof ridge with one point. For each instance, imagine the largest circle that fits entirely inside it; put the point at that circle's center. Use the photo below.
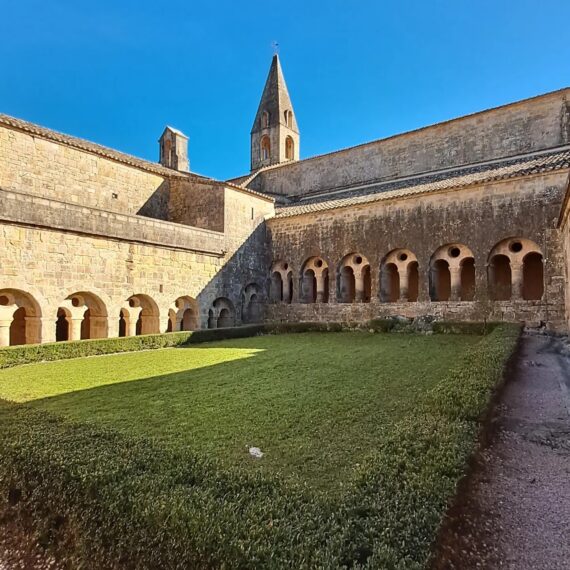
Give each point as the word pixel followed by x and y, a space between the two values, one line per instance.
pixel 92 147
pixel 534 165
pixel 506 161
pixel 423 128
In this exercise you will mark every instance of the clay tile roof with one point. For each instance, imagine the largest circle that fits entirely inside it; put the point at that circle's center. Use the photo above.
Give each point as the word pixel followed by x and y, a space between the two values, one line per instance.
pixel 432 182
pixel 91 147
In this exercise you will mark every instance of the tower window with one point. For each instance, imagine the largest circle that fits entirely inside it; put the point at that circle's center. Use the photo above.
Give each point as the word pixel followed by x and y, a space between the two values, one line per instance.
pixel 265 148
pixel 289 148
pixel 288 118
pixel 265 119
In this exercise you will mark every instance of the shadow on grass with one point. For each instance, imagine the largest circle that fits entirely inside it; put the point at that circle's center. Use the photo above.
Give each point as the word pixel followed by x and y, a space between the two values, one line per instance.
pixel 315 404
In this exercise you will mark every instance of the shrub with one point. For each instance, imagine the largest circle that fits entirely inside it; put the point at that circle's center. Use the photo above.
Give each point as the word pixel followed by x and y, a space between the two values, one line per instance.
pixel 25 354
pixel 458 327
pixel 112 501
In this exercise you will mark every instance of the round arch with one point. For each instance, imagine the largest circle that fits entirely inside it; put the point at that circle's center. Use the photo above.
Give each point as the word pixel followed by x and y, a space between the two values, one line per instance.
pixel 314 280
pixel 354 279
pixel 148 321
pixel 21 313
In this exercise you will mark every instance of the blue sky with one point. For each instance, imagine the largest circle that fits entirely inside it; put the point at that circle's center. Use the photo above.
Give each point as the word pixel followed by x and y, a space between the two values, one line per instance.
pixel 115 72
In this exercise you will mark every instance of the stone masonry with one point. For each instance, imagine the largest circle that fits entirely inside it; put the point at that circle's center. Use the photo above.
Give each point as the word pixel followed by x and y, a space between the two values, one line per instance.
pixel 465 220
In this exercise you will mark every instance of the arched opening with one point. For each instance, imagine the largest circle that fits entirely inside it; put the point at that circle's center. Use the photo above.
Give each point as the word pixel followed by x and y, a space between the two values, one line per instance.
pixel 347 287
pixel 288 118
pixel 171 321
pixel 453 263
pixel 533 277
pixel 309 287
pixel 440 281
pixel 516 270
pixel 86 325
pixel 500 279
pixel 188 322
pixel 265 148
pixel 467 279
pixel 314 281
pixel 281 283
pixel 224 308
pixel 184 315
pixel 276 287
pixel 18 327
pixel 289 148
pixel 25 314
pixel 399 276
pixel 354 279
pixel 122 324
pixel 413 281
pixel 389 283
pixel 211 320
pixel 225 319
pixel 86 317
pixel 251 306
pixel 61 326
pixel 148 320
pixel 264 120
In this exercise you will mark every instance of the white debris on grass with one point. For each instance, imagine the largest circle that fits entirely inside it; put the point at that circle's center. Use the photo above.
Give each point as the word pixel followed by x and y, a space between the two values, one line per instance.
pixel 255 452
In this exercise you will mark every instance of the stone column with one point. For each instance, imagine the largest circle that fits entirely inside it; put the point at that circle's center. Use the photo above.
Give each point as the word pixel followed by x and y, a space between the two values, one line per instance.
pixel 133 314
pixel 358 287
pixel 6 318
pixel 286 289
pixel 517 281
pixel 320 287
pixel 455 273
pixel 404 280
pixel 75 327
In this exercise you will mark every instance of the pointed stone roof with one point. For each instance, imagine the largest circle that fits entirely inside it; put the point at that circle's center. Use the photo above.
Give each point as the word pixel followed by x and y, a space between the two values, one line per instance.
pixel 275 99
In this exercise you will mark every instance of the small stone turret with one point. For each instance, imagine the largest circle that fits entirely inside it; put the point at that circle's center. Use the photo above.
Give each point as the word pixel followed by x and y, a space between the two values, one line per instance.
pixel 274 136
pixel 174 150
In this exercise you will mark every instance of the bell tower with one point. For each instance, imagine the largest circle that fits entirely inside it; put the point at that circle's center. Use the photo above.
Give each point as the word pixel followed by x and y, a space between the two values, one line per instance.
pixel 173 146
pixel 274 136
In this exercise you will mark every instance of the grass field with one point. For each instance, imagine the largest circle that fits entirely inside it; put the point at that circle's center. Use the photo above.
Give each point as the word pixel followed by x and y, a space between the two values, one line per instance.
pixel 314 403
pixel 140 460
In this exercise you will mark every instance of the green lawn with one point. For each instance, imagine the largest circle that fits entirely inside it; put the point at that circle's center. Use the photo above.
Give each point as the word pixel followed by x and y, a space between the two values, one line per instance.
pixel 316 404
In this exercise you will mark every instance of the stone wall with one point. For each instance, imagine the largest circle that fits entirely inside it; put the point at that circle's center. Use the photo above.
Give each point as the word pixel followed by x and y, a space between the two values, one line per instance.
pixel 477 217
pixel 83 233
pixel 53 264
pixel 42 167
pixel 523 127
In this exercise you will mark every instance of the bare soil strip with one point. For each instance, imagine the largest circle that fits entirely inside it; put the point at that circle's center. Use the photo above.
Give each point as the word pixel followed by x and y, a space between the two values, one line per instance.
pixel 515 511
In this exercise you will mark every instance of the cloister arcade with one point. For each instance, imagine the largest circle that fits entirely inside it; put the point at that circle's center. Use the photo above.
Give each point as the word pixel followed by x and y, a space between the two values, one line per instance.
pixel 452 274
pixel 222 314
pixel 281 283
pixel 184 315
pixel 251 304
pixel 353 279
pixel 315 281
pixel 399 277
pixel 515 271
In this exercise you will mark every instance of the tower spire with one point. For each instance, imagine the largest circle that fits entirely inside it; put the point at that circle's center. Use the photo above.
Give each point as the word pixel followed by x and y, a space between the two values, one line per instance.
pixel 274 134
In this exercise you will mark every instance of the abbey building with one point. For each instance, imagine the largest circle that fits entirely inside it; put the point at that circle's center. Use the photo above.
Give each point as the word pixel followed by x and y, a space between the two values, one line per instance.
pixel 464 220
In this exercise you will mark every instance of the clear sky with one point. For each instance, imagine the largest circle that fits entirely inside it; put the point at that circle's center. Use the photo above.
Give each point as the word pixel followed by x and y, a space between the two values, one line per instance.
pixel 117 71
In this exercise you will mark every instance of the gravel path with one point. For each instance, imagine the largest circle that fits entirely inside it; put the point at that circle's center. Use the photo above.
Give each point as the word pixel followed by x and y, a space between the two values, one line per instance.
pixel 515 513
